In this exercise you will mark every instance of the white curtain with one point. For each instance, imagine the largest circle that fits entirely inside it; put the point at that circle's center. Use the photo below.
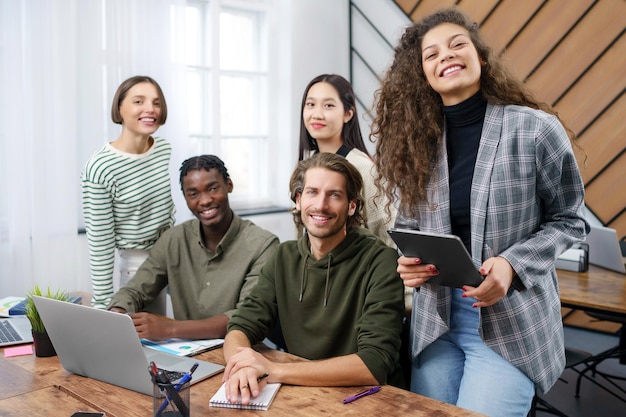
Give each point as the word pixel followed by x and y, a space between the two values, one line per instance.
pixel 60 63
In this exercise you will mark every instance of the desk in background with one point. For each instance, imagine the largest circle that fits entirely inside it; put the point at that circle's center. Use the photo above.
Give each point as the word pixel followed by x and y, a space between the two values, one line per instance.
pixel 42 387
pixel 598 290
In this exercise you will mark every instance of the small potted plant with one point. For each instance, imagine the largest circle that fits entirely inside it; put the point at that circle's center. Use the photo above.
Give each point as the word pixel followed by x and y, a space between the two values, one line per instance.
pixel 41 340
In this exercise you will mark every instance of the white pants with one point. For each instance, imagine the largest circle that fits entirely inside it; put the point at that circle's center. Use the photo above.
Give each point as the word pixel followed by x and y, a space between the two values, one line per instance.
pixel 130 261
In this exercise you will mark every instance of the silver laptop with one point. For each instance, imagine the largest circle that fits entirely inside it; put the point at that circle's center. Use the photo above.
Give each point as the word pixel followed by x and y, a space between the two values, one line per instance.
pixel 15 331
pixel 604 249
pixel 104 345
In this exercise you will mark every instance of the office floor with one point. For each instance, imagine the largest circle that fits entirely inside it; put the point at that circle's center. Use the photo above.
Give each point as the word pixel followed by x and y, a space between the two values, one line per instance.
pixel 593 401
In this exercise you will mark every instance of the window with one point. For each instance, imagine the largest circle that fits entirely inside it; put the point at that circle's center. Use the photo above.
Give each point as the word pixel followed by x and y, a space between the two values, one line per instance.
pixel 226 59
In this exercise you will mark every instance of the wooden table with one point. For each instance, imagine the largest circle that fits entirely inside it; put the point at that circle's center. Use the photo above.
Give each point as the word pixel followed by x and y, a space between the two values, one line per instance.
pixel 597 290
pixel 601 291
pixel 42 387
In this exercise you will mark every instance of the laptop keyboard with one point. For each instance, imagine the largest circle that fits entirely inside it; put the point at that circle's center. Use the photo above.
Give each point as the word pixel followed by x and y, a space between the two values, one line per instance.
pixel 8 333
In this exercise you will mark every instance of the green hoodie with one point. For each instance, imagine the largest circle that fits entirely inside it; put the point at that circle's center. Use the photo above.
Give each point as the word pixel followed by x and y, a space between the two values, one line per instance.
pixel 350 301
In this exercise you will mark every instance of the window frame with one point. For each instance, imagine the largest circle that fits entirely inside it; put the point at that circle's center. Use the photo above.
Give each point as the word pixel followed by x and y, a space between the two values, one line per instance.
pixel 254 175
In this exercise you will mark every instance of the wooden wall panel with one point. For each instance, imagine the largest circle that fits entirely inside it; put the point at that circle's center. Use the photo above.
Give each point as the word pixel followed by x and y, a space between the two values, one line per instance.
pixel 478 9
pixel 425 7
pixel 528 49
pixel 407 6
pixel 506 21
pixel 579 49
pixel 611 182
pixel 572 54
pixel 604 139
pixel 596 90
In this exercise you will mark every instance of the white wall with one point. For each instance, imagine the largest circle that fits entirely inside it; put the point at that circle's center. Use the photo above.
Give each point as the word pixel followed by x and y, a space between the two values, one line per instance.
pixel 316 42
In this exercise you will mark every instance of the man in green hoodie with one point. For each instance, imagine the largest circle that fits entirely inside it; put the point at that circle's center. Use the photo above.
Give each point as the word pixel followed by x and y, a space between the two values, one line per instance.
pixel 335 291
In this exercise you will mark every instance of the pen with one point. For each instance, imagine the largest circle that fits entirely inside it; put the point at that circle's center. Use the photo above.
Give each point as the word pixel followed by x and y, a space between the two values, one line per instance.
pixel 186 378
pixel 154 370
pixel 362 394
pixel 258 379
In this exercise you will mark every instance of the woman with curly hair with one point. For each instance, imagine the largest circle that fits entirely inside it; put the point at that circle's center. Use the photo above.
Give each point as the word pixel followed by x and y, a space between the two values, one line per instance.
pixel 469 151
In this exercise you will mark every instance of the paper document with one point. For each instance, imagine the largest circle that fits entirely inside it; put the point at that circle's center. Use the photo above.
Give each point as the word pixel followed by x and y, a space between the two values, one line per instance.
pixel 7 303
pixel 183 347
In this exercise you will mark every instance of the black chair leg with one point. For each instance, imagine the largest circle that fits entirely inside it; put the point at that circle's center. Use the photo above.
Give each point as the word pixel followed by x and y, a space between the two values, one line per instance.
pixel 539 404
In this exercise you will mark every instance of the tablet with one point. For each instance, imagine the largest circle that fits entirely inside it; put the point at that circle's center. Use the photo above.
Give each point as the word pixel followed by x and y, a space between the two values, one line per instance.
pixel 446 252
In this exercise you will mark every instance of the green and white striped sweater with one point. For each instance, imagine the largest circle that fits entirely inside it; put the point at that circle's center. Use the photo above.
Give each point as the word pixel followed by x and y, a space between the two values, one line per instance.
pixel 127 204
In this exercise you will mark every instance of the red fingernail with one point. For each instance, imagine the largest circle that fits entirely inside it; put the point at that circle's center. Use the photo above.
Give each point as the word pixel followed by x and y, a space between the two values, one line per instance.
pixel 432 268
pixel 418 261
pixel 464 295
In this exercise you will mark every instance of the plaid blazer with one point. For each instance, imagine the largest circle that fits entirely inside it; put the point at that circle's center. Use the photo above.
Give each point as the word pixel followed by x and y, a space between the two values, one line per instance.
pixel 526 205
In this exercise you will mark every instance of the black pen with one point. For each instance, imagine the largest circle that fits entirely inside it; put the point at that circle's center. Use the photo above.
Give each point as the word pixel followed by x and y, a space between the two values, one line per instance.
pixel 258 379
pixel 193 368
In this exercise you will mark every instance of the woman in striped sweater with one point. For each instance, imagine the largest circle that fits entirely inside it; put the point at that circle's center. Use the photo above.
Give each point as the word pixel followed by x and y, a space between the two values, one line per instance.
pixel 126 196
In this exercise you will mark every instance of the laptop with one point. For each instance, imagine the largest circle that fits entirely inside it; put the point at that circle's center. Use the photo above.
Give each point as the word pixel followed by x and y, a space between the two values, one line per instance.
pixel 15 331
pixel 104 345
pixel 604 249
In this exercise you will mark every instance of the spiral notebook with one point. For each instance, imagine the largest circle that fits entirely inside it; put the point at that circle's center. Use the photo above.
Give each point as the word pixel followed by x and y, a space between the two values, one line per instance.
pixel 262 402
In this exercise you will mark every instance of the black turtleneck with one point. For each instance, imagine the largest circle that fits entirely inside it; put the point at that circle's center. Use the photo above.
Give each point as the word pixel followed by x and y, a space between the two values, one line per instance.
pixel 464 125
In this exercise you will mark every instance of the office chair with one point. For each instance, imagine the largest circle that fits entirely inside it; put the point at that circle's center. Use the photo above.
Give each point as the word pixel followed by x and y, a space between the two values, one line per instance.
pixel 618 352
pixel 573 358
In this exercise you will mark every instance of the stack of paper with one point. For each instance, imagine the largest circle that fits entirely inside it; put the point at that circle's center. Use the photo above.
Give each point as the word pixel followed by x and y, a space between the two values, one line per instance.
pixel 10 306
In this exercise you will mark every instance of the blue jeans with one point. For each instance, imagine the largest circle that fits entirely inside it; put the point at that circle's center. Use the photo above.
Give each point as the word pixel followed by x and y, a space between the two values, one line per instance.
pixel 458 368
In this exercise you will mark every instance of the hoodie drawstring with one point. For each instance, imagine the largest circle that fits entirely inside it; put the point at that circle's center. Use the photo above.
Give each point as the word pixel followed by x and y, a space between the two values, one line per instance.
pixel 304 279
pixel 330 255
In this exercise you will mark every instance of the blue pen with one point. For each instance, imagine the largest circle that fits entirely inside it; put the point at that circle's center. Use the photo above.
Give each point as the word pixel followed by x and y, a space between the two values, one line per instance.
pixel 187 377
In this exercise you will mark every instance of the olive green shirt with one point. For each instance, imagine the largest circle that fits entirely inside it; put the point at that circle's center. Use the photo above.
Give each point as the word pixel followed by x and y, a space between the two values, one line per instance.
pixel 201 283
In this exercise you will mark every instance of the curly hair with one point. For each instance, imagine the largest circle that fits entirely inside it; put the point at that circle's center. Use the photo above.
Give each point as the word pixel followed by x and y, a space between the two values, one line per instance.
pixel 351 132
pixel 409 119
pixel 334 163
